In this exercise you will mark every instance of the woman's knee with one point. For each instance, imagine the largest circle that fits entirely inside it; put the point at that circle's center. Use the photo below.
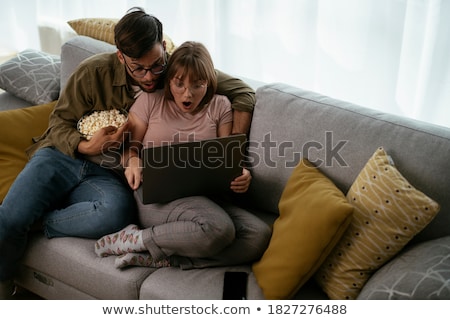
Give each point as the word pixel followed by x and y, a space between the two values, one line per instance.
pixel 255 235
pixel 217 237
pixel 216 230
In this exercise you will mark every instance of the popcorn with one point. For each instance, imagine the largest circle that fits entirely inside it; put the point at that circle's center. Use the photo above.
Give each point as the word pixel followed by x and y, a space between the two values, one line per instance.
pixel 93 122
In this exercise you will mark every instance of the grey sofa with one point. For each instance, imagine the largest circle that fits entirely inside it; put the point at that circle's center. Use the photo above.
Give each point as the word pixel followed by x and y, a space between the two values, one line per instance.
pixel 67 268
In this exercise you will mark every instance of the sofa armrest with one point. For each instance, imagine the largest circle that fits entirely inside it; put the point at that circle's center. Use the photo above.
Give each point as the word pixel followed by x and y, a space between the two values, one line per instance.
pixel 420 272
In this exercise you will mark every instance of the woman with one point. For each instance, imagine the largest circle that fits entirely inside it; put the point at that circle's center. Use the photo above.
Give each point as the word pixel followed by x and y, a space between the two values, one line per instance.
pixel 191 232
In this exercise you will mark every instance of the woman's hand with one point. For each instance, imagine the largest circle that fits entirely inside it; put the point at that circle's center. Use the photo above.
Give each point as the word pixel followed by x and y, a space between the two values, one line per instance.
pixel 241 183
pixel 133 172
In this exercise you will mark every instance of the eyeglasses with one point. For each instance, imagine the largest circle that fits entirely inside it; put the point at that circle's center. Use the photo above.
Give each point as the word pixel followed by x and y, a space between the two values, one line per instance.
pixel 140 71
pixel 179 87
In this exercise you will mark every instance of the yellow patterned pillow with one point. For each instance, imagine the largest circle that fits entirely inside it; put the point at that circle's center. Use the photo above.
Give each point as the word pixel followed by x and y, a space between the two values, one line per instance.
pixel 389 212
pixel 97 28
pixel 103 29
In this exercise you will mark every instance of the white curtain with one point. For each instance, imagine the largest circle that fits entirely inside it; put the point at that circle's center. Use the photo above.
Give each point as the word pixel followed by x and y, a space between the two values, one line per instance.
pixel 390 55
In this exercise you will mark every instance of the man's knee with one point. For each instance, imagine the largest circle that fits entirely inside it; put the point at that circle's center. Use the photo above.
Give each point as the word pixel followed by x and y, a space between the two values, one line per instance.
pixel 115 215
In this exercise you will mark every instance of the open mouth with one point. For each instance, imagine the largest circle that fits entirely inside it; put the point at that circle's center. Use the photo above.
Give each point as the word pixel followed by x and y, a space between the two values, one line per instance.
pixel 187 104
pixel 149 87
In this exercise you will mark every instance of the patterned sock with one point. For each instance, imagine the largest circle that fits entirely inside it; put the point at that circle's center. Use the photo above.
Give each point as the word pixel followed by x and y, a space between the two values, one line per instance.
pixel 124 241
pixel 140 260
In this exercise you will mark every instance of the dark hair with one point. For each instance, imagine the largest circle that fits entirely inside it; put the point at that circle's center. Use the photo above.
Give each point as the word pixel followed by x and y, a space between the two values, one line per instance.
pixel 192 59
pixel 137 33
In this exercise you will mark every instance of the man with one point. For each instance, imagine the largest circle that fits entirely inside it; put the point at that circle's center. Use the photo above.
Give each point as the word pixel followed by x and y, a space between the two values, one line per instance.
pixel 73 193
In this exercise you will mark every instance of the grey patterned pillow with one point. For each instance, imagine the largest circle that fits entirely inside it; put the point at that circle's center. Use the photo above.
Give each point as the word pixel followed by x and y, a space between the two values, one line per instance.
pixel 32 75
pixel 422 272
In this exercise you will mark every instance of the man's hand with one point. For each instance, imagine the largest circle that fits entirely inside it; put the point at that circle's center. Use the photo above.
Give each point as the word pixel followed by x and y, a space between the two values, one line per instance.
pixel 103 139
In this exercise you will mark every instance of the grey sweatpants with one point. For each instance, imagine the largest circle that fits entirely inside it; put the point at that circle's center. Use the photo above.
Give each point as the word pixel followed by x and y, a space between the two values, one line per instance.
pixel 196 232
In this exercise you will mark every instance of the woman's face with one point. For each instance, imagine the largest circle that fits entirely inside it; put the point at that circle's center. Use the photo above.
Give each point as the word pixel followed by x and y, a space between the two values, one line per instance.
pixel 187 93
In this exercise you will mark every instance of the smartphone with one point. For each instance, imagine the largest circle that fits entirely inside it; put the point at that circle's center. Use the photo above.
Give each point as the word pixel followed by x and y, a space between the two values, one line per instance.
pixel 235 285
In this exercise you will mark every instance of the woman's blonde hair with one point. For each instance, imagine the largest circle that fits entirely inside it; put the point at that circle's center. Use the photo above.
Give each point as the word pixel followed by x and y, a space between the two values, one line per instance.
pixel 192 59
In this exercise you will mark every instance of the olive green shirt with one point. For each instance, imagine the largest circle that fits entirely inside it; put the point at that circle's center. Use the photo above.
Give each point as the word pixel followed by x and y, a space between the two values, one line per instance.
pixel 100 83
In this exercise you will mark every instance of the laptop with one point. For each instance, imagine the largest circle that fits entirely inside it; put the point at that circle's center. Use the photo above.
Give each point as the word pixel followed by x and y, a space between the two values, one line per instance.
pixel 204 167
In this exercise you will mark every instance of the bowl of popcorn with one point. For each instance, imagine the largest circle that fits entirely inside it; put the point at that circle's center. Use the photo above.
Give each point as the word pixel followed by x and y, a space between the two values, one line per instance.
pixel 93 121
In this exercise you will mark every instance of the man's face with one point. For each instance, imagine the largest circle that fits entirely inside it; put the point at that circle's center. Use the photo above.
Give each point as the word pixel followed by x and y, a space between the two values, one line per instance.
pixel 146 71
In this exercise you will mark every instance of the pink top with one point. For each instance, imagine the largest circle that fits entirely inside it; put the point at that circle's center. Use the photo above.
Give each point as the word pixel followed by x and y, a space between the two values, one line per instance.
pixel 167 124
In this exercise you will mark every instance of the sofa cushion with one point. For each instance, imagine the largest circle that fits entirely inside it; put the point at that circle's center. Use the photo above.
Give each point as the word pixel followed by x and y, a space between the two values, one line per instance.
pixel 32 75
pixel 73 261
pixel 76 50
pixel 421 272
pixel 389 212
pixel 313 216
pixel 8 101
pixel 17 128
pixel 194 284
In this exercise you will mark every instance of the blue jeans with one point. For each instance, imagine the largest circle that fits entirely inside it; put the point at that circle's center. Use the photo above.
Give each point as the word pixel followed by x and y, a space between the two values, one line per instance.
pixel 72 197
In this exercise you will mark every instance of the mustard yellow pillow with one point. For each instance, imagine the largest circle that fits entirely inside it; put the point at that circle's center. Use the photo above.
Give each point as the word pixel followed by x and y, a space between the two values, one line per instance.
pixel 17 128
pixel 103 29
pixel 314 214
pixel 389 211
